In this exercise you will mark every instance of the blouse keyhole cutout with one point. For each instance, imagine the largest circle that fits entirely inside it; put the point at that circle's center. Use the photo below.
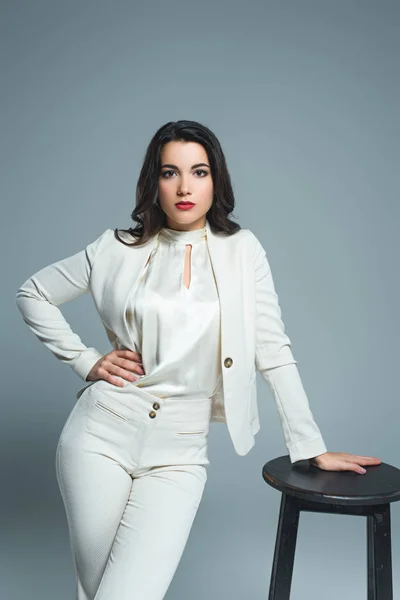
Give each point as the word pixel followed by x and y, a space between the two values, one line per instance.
pixel 186 269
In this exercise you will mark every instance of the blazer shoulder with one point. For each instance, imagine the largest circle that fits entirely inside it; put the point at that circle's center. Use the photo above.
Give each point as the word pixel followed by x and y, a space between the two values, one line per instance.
pixel 244 234
pixel 127 237
pixel 96 245
pixel 102 240
pixel 255 242
pixel 109 236
pixel 104 236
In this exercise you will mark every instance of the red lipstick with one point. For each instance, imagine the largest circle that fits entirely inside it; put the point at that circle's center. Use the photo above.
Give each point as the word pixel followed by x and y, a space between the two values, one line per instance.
pixel 184 205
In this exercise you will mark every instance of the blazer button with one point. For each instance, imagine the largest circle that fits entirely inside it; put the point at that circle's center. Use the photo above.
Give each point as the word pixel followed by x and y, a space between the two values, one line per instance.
pixel 156 405
pixel 152 414
pixel 228 362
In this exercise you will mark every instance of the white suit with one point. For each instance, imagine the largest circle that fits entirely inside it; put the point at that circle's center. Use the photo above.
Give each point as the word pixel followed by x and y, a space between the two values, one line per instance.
pixel 252 332
pixel 131 462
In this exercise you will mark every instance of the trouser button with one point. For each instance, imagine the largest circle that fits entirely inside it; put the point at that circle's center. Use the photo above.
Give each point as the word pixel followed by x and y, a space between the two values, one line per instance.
pixel 156 405
pixel 152 414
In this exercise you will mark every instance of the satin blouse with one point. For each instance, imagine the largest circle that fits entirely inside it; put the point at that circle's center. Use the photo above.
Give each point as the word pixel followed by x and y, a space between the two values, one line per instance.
pixel 177 329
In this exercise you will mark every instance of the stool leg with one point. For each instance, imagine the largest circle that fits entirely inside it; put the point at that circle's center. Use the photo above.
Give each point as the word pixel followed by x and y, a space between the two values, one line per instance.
pixel 379 554
pixel 285 546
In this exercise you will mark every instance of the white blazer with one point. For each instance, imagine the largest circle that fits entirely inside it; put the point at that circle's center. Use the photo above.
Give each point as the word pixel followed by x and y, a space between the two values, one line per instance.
pixel 252 332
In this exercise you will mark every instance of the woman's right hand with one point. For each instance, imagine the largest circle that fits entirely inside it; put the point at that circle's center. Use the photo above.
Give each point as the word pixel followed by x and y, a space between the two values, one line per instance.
pixel 117 362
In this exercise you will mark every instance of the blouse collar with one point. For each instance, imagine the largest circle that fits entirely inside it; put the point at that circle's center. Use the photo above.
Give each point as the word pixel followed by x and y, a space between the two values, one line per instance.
pixel 183 237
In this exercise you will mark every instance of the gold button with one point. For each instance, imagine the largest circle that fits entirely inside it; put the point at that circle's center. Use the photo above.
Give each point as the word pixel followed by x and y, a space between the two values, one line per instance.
pixel 156 405
pixel 152 414
pixel 228 362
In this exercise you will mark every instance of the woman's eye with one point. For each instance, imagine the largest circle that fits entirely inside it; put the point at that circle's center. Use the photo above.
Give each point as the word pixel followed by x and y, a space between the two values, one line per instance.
pixel 166 176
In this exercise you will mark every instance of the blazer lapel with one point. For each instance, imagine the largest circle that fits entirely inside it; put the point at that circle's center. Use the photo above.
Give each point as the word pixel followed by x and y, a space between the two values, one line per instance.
pixel 120 283
pixel 222 251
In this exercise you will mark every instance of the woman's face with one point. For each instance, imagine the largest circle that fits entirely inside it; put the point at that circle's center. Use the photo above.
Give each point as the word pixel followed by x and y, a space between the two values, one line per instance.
pixel 185 175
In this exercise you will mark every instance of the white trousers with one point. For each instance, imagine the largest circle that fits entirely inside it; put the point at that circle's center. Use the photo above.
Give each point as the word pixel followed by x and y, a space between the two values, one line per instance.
pixel 131 469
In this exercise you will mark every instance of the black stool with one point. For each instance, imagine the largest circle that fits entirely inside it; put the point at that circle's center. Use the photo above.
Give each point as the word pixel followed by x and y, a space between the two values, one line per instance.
pixel 306 487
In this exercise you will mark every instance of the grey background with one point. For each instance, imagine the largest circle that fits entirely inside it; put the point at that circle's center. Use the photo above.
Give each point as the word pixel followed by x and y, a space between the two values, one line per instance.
pixel 304 98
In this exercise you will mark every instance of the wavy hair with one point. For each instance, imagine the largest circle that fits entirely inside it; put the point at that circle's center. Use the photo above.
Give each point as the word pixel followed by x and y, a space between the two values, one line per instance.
pixel 148 214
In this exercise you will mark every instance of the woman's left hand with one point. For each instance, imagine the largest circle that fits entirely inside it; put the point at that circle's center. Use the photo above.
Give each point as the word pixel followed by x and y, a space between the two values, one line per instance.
pixel 342 461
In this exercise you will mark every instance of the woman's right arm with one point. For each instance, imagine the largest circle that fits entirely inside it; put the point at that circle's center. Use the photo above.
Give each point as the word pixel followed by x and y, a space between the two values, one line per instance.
pixel 38 299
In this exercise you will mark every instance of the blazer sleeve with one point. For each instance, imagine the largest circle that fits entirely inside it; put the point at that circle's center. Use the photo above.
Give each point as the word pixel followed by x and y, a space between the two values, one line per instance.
pixel 275 361
pixel 38 299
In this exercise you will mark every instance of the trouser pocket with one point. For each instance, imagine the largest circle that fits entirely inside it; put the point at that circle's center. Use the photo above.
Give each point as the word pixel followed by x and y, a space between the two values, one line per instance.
pixel 194 433
pixel 109 410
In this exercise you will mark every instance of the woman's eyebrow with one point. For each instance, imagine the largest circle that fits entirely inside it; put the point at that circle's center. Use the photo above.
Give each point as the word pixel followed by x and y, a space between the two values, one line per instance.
pixel 193 166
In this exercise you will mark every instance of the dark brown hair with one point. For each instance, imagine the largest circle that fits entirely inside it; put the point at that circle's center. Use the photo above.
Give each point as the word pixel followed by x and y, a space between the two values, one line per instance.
pixel 148 214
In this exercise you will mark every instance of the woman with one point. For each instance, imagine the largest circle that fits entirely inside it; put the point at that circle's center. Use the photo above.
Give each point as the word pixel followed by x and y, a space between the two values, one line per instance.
pixel 188 303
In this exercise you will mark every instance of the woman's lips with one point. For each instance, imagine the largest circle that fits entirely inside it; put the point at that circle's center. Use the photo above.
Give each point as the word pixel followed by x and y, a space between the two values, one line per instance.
pixel 184 206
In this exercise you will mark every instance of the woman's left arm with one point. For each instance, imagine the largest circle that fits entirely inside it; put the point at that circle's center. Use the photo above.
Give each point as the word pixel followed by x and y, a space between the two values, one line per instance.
pixel 275 361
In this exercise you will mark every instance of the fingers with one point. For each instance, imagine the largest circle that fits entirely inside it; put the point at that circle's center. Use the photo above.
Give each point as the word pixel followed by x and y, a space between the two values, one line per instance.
pixel 124 360
pixel 113 373
pixel 345 465
pixel 127 369
pixel 108 375
pixel 343 461
pixel 130 355
pixel 119 364
pixel 366 459
pixel 354 462
pixel 130 365
pixel 362 460
pixel 114 380
pixel 357 468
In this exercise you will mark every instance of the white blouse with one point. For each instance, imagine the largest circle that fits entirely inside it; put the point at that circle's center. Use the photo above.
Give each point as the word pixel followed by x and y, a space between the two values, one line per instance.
pixel 177 329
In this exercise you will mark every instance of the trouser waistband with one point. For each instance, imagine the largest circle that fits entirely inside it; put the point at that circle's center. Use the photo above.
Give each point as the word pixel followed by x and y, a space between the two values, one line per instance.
pixel 174 408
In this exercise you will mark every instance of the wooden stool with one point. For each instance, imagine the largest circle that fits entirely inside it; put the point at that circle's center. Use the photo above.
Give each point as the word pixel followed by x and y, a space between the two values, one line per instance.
pixel 306 487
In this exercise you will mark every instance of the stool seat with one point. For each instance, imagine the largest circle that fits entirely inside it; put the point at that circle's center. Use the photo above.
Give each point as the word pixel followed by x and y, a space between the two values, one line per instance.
pixel 379 485
pixel 306 487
